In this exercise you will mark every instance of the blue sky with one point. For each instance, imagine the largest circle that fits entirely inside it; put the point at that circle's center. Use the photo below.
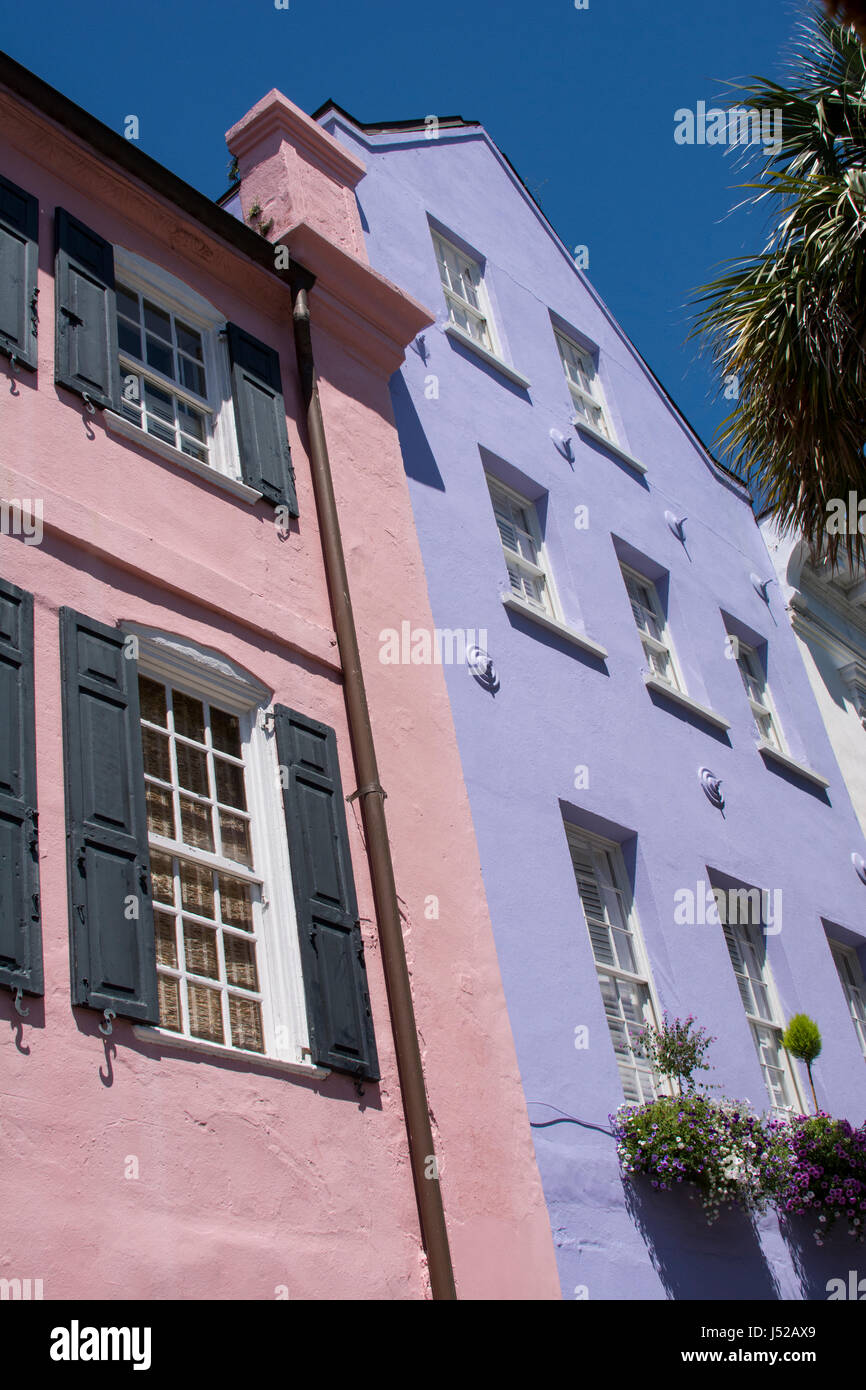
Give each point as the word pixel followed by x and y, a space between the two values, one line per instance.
pixel 581 101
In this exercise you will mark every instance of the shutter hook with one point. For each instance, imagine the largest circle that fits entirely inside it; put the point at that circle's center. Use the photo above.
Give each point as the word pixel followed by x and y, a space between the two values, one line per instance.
pixel 106 1028
pixel 13 358
pixel 91 408
pixel 19 1006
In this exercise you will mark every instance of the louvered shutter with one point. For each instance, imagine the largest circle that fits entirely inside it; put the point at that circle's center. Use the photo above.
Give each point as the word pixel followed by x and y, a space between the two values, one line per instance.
pixel 593 905
pixel 20 931
pixel 260 416
pixel 19 236
pixel 740 970
pixel 332 952
pixel 112 948
pixel 86 333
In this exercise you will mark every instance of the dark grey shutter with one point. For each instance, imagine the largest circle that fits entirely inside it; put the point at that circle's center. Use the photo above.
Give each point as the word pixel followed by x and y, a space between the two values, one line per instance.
pixel 332 952
pixel 19 237
pixel 86 345
pixel 112 947
pixel 260 414
pixel 20 934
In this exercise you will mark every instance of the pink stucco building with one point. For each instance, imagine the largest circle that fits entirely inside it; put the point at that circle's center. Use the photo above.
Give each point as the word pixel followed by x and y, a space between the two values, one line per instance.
pixel 200 1094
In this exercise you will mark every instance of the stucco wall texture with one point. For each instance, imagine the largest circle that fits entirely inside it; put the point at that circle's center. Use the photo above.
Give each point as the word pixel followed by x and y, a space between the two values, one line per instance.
pixel 558 708
pixel 252 1183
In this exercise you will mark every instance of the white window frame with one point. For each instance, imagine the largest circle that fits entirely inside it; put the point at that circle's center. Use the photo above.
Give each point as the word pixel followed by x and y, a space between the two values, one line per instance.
pixel 611 855
pixel 764 707
pixel 172 295
pixel 539 571
pixel 206 674
pixel 591 400
pixel 853 984
pixel 471 268
pixel 650 643
pixel 745 934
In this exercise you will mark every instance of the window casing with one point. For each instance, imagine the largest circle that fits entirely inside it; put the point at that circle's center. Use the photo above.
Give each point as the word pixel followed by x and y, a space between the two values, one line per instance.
pixel 752 972
pixel 620 961
pixel 228 957
pixel 854 986
pixel 517 520
pixel 650 621
pixel 583 383
pixel 465 293
pixel 173 362
pixel 755 682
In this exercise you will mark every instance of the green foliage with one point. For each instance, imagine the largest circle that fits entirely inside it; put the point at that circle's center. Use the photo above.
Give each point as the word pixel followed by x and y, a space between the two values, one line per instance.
pixel 802 1038
pixel 789 323
pixel 676 1050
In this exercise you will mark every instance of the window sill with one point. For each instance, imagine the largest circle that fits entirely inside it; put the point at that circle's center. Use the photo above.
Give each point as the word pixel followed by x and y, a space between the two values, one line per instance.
pixel 489 357
pixel 569 634
pixel 609 445
pixel 117 424
pixel 181 1043
pixel 680 698
pixel 768 751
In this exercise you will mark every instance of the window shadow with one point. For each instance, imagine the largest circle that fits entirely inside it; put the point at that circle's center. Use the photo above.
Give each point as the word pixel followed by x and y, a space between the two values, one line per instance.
pixel 418 458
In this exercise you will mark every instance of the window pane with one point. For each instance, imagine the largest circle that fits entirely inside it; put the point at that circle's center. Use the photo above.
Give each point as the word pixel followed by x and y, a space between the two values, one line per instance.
pixel 200 949
pixel 230 784
pixel 192 768
pixel 246 1024
pixel 157 321
pixel 196 889
pixel 191 421
pixel 160 811
pixel 240 962
pixel 235 834
pixel 205 1013
pixel 196 823
pixel 154 748
pixel 151 697
pixel 159 356
pixel 235 903
pixel 129 337
pixel 127 303
pixel 192 376
pixel 225 732
pixel 188 340
pixel 169 1003
pixel 166 942
pixel 162 877
pixel 188 716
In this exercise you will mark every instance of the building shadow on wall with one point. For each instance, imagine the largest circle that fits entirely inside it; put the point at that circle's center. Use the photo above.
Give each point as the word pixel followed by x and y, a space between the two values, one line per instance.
pixel 816 1265
pixel 696 1261
pixel 418 457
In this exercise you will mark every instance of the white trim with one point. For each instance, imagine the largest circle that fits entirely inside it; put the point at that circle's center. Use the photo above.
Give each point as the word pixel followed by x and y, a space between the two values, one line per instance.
pixel 768 751
pixel 207 673
pixel 538 571
pixel 681 698
pixel 663 642
pixel 599 438
pixel 490 358
pixel 570 634
pixel 594 398
pixel 181 1043
pixel 118 424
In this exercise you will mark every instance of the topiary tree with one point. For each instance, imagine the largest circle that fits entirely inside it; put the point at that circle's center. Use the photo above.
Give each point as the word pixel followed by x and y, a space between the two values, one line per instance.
pixel 802 1038
pixel 677 1049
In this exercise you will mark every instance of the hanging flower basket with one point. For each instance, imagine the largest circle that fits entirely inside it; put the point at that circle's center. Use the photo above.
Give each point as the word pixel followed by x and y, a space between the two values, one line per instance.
pixel 819 1170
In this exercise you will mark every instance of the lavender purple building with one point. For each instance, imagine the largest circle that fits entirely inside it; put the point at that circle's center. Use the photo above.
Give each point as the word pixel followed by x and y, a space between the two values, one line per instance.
pixel 639 732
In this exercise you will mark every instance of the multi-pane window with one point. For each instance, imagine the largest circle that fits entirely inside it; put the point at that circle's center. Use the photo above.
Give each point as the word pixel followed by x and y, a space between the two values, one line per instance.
pixel 207 896
pixel 752 671
pixel 616 948
pixel 162 371
pixel 521 541
pixel 583 384
pixel 749 960
pixel 649 617
pixel 851 978
pixel 463 285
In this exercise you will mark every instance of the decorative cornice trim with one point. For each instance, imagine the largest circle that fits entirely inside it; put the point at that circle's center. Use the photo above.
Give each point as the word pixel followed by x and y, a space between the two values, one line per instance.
pixel 276 115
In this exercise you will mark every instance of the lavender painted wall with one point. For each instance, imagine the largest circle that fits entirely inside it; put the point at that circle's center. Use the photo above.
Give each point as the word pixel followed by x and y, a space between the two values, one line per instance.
pixel 558 707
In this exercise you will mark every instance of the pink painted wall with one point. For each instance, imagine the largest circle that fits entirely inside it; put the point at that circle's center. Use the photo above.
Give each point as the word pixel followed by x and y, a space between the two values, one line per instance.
pixel 250 1178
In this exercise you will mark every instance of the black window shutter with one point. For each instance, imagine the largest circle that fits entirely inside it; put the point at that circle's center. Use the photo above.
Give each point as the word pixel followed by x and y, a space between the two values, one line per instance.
pixel 260 414
pixel 332 952
pixel 20 933
pixel 86 332
pixel 112 947
pixel 19 237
